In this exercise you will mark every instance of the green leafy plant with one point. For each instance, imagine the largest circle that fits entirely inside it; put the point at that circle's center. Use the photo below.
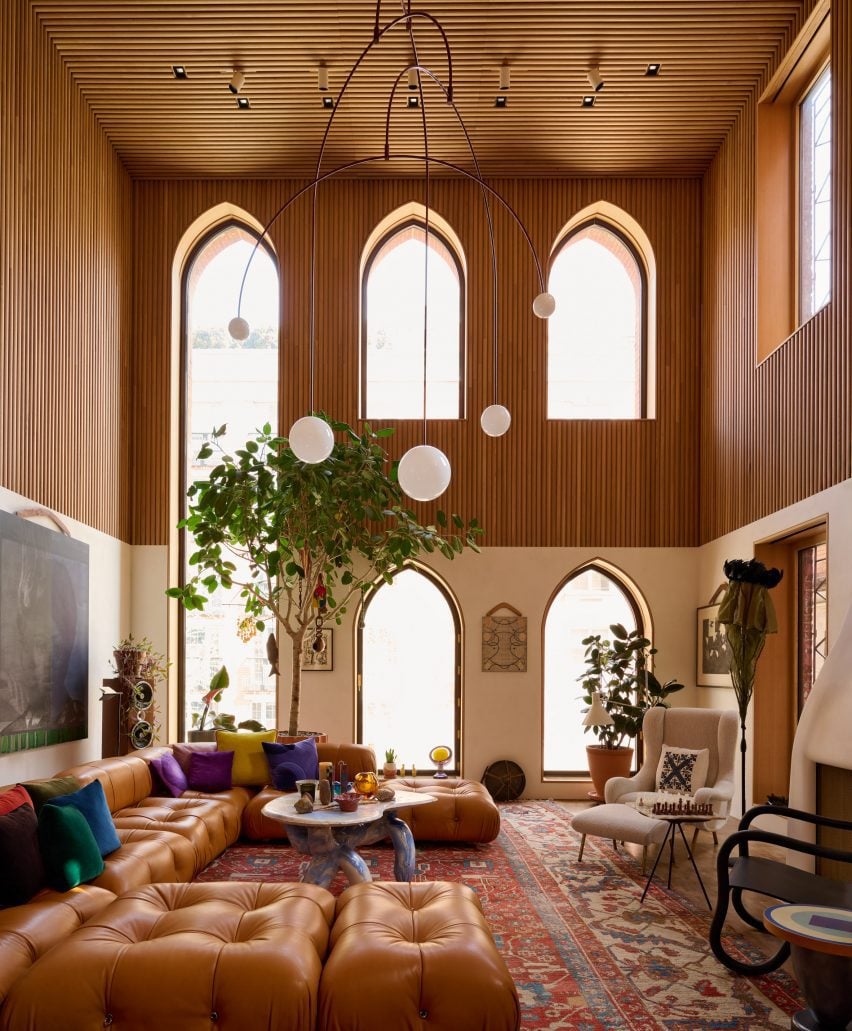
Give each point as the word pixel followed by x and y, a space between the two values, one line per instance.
pixel 285 533
pixel 390 755
pixel 617 670
pixel 219 721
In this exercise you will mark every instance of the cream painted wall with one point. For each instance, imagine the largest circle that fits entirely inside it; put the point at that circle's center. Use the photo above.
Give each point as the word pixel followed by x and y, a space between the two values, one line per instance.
pixel 836 503
pixel 109 620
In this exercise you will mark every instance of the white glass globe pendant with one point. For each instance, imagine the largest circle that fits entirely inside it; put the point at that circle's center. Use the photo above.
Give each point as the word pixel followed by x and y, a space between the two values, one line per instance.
pixel 311 439
pixel 239 328
pixel 495 420
pixel 544 305
pixel 424 472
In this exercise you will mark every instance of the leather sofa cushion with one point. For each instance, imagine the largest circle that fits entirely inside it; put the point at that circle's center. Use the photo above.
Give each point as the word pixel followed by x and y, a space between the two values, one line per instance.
pixel 126 779
pixel 28 931
pixel 147 856
pixel 433 944
pixel 464 810
pixel 210 826
pixel 233 956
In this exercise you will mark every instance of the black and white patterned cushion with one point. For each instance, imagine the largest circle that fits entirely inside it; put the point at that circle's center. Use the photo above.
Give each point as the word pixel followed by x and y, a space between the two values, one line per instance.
pixel 683 770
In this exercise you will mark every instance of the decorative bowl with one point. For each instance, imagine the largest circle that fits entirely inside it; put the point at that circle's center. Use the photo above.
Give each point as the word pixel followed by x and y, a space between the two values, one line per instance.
pixel 366 784
pixel 348 801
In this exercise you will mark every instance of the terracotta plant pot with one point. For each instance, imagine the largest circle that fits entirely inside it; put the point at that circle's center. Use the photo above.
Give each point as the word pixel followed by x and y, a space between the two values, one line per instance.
pixel 289 739
pixel 605 763
pixel 201 735
pixel 389 771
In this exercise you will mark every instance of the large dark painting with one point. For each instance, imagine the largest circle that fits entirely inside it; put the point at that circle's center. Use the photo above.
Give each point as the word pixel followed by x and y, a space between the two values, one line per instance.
pixel 44 636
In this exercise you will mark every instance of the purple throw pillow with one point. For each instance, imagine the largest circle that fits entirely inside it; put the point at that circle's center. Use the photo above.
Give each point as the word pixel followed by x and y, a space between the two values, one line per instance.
pixel 289 763
pixel 210 771
pixel 172 780
pixel 184 749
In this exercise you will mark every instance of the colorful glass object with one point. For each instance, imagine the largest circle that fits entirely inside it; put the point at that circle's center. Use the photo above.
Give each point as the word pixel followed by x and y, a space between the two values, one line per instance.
pixel 440 756
pixel 366 784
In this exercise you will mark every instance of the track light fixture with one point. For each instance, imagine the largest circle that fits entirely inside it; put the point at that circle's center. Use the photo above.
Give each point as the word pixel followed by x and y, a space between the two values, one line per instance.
pixel 322 78
pixel 237 81
pixel 594 77
pixel 413 78
pixel 505 76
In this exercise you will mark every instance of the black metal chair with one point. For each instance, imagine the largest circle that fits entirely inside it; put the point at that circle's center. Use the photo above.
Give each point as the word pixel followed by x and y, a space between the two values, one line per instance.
pixel 772 878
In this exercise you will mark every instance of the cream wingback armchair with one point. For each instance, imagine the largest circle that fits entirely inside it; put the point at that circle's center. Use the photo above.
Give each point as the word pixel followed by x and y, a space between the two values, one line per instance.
pixel 713 729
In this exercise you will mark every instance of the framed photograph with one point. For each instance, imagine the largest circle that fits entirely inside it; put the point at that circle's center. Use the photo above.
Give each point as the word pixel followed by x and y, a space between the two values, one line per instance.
pixel 713 656
pixel 318 660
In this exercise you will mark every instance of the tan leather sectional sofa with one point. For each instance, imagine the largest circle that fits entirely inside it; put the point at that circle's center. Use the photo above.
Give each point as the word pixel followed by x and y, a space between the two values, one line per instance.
pixel 146 926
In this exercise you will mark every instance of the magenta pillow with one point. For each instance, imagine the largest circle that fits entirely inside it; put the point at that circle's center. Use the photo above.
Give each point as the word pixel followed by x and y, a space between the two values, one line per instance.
pixel 168 776
pixel 210 771
pixel 289 763
pixel 185 749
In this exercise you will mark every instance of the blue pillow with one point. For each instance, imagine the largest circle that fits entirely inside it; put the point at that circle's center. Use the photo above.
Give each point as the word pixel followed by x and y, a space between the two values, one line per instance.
pixel 90 801
pixel 289 763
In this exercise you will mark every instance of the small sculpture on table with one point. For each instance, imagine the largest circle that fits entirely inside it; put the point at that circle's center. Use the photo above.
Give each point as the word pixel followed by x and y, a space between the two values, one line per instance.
pixel 682 807
pixel 440 756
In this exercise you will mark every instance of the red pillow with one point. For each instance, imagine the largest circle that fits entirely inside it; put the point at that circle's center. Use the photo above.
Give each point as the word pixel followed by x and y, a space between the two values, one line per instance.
pixel 14 798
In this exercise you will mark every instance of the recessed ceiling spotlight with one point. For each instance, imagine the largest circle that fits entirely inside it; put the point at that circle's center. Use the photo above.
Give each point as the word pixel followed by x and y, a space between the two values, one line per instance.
pixel 594 77
pixel 505 76
pixel 413 101
pixel 328 102
pixel 589 101
pixel 653 69
pixel 501 101
pixel 237 80
pixel 179 71
pixel 322 78
pixel 243 103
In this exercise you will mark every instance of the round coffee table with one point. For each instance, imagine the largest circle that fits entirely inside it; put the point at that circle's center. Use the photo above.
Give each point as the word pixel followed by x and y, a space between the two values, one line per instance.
pixel 820 940
pixel 330 836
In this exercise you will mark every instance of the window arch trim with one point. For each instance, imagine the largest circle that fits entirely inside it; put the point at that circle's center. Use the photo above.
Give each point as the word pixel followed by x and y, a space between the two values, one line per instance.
pixel 412 218
pixel 458 626
pixel 574 230
pixel 644 622
pixel 192 249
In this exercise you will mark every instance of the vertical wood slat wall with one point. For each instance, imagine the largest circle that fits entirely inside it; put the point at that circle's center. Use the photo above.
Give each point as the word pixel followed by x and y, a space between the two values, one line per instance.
pixel 619 483
pixel 778 432
pixel 65 263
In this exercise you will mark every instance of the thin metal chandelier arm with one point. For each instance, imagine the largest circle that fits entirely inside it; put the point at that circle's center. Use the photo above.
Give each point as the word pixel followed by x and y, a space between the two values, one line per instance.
pixel 393 157
pixel 422 69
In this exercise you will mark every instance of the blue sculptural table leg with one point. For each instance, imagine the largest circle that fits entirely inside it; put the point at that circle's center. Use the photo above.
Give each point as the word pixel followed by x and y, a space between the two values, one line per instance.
pixel 330 851
pixel 404 866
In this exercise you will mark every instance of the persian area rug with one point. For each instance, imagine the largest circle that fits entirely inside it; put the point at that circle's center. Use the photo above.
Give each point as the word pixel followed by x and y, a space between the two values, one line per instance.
pixel 584 954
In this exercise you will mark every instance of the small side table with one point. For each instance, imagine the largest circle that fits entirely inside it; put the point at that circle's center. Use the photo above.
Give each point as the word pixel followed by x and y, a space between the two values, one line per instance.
pixel 676 822
pixel 820 940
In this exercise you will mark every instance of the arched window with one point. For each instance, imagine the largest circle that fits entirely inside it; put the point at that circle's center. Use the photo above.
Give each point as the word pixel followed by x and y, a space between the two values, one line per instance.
pixel 588 602
pixel 236 384
pixel 409 646
pixel 597 354
pixel 392 313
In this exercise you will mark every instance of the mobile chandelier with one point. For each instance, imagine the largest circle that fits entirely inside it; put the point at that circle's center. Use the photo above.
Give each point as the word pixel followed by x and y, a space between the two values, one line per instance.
pixel 424 471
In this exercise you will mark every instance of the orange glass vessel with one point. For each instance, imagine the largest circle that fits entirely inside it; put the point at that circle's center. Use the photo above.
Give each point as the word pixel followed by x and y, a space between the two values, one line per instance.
pixel 366 784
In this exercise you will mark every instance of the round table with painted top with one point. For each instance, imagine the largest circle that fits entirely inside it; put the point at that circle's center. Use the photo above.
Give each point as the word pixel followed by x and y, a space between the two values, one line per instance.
pixel 821 945
pixel 330 837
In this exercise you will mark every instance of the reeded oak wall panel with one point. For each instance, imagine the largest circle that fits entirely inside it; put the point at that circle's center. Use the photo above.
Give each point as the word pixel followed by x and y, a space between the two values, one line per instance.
pixel 617 483
pixel 65 260
pixel 774 433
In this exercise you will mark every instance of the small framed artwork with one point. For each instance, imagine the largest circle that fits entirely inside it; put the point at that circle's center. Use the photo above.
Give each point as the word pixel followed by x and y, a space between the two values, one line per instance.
pixel 315 659
pixel 713 656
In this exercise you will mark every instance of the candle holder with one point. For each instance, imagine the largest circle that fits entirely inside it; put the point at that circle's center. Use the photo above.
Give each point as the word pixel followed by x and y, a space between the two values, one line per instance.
pixel 440 756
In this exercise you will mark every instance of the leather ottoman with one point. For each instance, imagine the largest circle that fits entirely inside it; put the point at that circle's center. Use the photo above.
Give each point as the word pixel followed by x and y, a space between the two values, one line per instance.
pixel 464 811
pixel 414 957
pixel 184 957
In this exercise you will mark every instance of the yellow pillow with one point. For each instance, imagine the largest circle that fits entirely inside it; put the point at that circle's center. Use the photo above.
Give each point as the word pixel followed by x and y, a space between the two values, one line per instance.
pixel 250 766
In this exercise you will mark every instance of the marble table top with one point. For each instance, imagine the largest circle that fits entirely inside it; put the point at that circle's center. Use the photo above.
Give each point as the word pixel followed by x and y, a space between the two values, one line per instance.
pixel 331 816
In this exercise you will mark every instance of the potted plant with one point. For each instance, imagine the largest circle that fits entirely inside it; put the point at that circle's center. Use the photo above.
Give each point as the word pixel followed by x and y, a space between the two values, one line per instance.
pixel 219 721
pixel 300 541
pixel 389 768
pixel 618 689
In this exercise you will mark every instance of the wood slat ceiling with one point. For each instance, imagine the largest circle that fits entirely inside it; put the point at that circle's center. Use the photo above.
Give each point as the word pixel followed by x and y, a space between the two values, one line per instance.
pixel 712 52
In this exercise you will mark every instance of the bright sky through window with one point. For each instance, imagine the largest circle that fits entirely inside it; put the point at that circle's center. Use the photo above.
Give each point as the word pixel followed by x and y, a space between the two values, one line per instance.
pixel 594 355
pixel 815 196
pixel 394 309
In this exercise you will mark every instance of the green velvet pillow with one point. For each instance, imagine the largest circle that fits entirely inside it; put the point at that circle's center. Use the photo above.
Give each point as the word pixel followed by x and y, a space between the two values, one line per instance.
pixel 68 846
pixel 41 791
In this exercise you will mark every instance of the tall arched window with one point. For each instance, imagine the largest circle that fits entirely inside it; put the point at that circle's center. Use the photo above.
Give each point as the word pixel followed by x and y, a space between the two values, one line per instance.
pixel 236 384
pixel 597 339
pixel 589 602
pixel 409 646
pixel 392 313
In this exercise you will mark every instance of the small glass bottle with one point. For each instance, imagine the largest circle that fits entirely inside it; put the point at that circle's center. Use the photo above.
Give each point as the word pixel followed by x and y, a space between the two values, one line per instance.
pixel 413 770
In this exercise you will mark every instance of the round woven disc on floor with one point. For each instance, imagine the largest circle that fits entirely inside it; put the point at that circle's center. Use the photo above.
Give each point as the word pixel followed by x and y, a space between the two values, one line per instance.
pixel 504 780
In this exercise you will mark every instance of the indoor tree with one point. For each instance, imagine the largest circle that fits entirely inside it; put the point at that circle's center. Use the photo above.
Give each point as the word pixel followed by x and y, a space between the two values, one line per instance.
pixel 301 541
